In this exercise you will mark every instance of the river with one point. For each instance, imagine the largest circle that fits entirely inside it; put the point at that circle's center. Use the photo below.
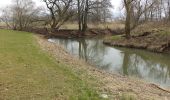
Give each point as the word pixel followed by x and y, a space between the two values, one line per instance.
pixel 152 67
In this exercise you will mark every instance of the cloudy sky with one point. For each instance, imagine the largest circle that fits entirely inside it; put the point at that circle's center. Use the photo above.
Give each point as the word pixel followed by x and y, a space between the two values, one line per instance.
pixel 116 4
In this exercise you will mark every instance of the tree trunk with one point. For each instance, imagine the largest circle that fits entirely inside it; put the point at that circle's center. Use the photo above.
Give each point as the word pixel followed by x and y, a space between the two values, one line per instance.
pixel 128 18
pixel 146 13
pixel 79 16
pixel 84 27
pixel 168 10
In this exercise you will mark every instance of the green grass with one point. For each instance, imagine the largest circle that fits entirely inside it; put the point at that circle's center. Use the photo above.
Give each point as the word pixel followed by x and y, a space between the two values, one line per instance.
pixel 116 37
pixel 28 73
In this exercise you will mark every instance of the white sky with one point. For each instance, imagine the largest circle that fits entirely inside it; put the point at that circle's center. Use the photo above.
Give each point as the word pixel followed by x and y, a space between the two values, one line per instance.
pixel 117 7
pixel 116 4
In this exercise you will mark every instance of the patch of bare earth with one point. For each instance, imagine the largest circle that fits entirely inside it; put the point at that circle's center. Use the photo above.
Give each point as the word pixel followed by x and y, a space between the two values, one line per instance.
pixel 111 84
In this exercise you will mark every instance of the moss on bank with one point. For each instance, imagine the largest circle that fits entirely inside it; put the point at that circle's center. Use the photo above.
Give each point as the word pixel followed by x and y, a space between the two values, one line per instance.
pixel 117 37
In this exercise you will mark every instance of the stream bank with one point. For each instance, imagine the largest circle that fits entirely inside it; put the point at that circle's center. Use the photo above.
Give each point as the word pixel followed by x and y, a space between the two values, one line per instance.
pixel 73 33
pixel 155 41
pixel 113 84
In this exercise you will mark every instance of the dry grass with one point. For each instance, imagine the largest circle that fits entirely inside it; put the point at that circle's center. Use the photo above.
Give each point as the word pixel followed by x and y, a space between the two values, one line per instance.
pixel 128 96
pixel 112 25
pixel 74 25
pixel 117 87
pixel 158 27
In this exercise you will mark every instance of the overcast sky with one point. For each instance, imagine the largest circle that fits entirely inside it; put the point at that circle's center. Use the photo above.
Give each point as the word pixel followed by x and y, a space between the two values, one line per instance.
pixel 116 4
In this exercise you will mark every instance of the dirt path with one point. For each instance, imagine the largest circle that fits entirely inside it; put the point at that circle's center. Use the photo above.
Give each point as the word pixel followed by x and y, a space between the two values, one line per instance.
pixel 115 86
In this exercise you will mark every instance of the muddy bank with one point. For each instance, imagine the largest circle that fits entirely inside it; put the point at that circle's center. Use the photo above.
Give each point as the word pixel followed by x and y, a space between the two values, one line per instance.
pixel 67 33
pixel 105 83
pixel 151 41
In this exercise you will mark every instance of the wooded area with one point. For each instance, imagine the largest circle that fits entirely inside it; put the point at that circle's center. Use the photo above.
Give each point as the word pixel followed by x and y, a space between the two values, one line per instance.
pixel 142 11
pixel 23 14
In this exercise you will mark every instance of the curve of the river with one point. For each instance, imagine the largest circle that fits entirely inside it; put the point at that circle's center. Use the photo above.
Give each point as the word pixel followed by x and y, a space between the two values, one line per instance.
pixel 152 67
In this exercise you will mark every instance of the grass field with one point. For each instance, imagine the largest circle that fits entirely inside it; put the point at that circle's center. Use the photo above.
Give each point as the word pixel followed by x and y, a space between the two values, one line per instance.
pixel 112 25
pixel 28 73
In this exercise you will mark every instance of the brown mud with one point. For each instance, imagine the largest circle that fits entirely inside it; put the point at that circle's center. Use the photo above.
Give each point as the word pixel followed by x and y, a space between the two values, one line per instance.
pixel 68 33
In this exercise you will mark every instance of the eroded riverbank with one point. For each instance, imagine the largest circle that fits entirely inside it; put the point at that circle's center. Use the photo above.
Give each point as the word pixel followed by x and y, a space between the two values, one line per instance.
pixel 112 84
pixel 154 37
pixel 154 42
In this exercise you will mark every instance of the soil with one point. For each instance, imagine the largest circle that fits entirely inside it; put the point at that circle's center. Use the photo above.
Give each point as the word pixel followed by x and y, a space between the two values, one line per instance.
pixel 151 41
pixel 113 85
pixel 67 33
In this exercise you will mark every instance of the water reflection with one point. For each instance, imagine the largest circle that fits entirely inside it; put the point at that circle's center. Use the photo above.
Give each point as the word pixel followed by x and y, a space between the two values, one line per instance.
pixel 137 63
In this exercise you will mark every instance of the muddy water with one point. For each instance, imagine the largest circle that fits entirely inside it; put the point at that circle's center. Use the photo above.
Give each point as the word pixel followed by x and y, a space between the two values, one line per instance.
pixel 152 67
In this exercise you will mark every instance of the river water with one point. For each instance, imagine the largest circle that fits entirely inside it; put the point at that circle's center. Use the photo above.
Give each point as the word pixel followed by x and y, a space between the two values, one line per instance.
pixel 152 67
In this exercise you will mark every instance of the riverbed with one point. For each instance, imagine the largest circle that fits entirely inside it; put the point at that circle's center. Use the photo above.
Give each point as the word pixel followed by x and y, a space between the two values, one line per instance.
pixel 152 67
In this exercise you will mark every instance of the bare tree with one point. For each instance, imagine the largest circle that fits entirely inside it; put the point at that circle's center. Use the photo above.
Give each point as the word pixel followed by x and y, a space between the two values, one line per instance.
pixel 136 11
pixel 94 7
pixel 60 12
pixel 140 8
pixel 7 17
pixel 168 7
pixel 20 15
pixel 83 9
pixel 101 11
pixel 128 6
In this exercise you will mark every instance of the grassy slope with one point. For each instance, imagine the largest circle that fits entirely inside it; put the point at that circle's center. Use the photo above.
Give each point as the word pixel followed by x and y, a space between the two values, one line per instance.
pixel 27 73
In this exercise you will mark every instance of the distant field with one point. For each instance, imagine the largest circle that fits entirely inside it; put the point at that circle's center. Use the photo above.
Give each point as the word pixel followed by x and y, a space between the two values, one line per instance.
pixel 113 25
pixel 68 25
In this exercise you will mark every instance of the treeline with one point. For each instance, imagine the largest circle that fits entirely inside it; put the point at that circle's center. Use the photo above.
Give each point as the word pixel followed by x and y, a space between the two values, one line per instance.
pixel 141 11
pixel 23 14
